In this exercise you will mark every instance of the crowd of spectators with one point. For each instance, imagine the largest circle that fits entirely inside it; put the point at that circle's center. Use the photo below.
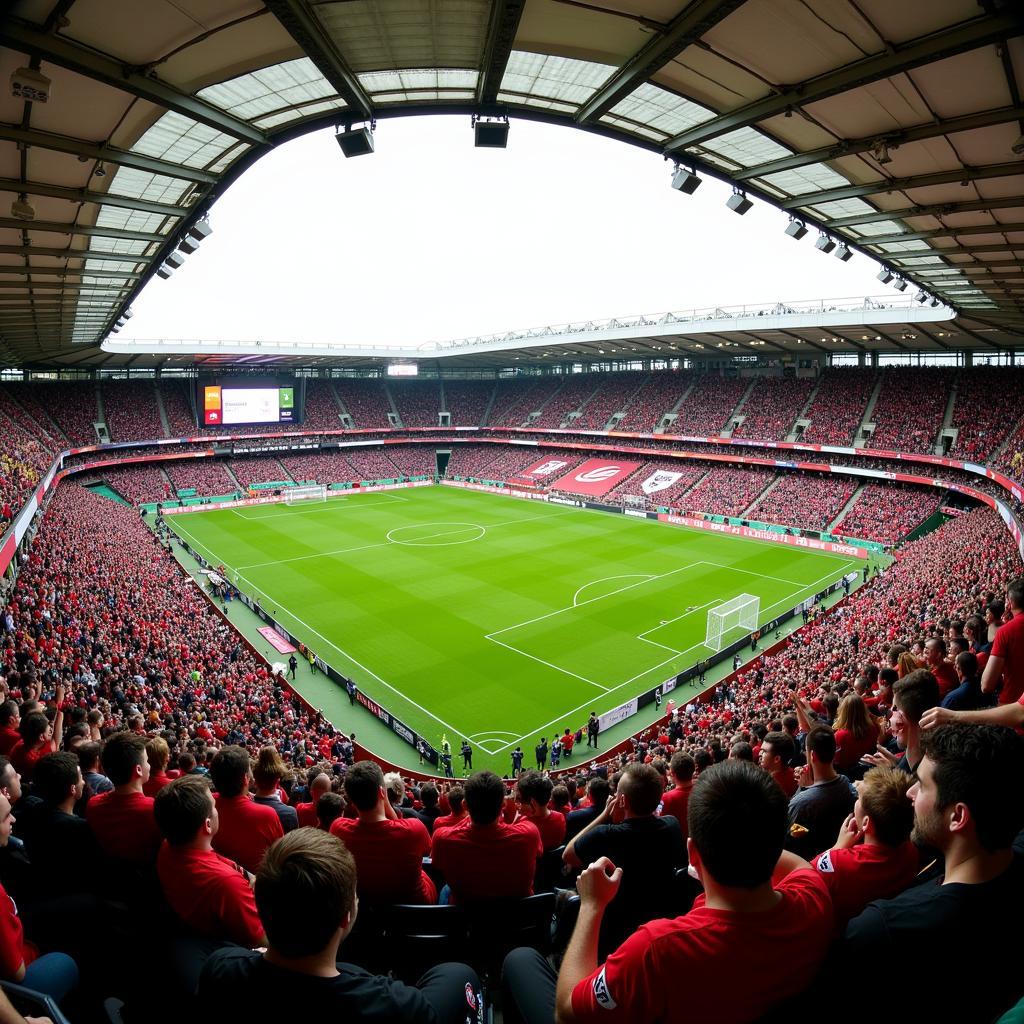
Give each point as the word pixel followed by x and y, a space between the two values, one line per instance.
pixel 24 458
pixel 177 397
pixel 207 477
pixel 709 405
pixel 680 476
pixel 137 483
pixel 414 459
pixel 658 395
pixel 514 400
pixel 33 415
pixel 807 500
pixel 910 408
pixel 372 465
pixel 612 396
pixel 466 401
pixel 74 408
pixel 321 411
pixel 838 407
pixel 321 467
pixel 258 469
pixel 130 410
pixel 418 401
pixel 1011 459
pixel 887 512
pixel 987 410
pixel 366 401
pixel 726 491
pixel 573 393
pixel 772 407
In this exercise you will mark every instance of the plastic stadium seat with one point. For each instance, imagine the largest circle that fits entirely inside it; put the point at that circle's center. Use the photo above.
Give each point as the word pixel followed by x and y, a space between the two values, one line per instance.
pixel 419 936
pixel 550 872
pixel 497 927
pixel 30 1003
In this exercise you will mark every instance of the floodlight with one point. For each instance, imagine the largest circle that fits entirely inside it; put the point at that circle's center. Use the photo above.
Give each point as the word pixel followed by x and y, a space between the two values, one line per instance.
pixel 824 243
pixel 885 275
pixel 843 252
pixel 30 84
pixel 174 260
pixel 738 203
pixel 1018 146
pixel 934 302
pixel 900 285
pixel 920 297
pixel 686 181
pixel 490 133
pixel 796 229
pixel 197 233
pixel 22 208
pixel 355 141
pixel 164 271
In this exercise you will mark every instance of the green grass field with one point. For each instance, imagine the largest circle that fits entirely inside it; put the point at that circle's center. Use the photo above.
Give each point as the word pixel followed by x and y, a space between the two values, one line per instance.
pixel 494 618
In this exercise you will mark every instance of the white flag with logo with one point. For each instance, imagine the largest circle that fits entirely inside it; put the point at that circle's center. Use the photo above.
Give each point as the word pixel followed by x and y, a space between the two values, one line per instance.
pixel 659 481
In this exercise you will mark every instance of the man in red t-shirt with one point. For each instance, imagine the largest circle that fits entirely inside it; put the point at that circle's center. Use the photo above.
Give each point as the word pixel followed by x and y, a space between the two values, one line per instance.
pixel 388 849
pixel 246 828
pixel 765 916
pixel 873 857
pixel 677 799
pixel 1007 658
pixel 122 819
pixel 10 719
pixel 777 753
pixel 487 859
pixel 459 814
pixel 318 786
pixel 38 738
pixel 210 893
pixel 533 794
pixel 935 662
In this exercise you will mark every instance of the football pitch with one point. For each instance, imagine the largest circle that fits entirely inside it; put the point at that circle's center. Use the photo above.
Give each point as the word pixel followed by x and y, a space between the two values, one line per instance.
pixel 494 618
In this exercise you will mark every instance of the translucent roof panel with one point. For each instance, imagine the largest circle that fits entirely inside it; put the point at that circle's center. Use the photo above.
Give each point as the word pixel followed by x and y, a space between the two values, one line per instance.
pixel 135 184
pixel 297 113
pixel 291 84
pixel 184 141
pixel 660 109
pixel 424 96
pixel 536 101
pixel 418 79
pixel 877 227
pixel 844 208
pixel 635 129
pixel 557 78
pixel 133 220
pixel 801 180
pixel 120 246
pixel 745 147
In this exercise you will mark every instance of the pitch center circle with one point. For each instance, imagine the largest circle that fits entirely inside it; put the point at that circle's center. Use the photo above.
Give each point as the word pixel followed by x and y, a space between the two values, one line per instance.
pixel 435 535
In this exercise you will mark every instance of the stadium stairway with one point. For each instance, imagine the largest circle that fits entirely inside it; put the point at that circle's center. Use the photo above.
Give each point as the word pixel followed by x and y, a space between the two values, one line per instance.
pixel 234 479
pixel 674 411
pixel 620 414
pixel 285 475
pixel 869 411
pixel 337 400
pixel 739 406
pixel 101 417
pixel 947 419
pixel 846 508
pixel 575 414
pixel 749 512
pixel 490 405
pixel 802 414
pixel 392 405
pixel 165 423
pixel 543 405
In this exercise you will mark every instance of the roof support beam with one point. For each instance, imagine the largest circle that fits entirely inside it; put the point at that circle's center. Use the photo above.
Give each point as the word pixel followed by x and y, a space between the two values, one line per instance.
pixel 898 137
pixel 691 24
pixel 804 341
pixel 54 272
pixel 80 254
pixel 934 210
pixel 80 229
pixel 302 25
pixel 915 236
pixel 870 188
pixel 108 154
pixel 977 337
pixel 957 250
pixel 501 35
pixel 86 290
pixel 55 49
pixel 82 195
pixel 936 46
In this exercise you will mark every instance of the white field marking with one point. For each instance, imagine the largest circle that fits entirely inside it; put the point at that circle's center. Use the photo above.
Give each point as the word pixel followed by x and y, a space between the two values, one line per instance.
pixel 420 542
pixel 566 714
pixel 334 647
pixel 643 636
pixel 541 661
pixel 591 600
pixel 489 732
pixel 329 505
pixel 605 579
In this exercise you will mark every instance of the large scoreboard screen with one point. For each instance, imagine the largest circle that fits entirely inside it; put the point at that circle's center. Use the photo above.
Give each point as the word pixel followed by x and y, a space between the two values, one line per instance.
pixel 230 406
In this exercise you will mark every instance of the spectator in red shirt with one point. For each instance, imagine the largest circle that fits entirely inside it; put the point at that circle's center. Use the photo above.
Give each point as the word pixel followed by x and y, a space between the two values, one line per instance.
pixel 10 719
pixel 487 859
pixel 246 829
pixel 765 917
pixel 677 799
pixel 318 786
pixel 210 893
pixel 1006 660
pixel 873 857
pixel 54 974
pixel 38 737
pixel 568 741
pixel 159 754
pixel 459 814
pixel 122 820
pixel 935 662
pixel 329 808
pixel 533 795
pixel 777 752
pixel 388 849
pixel 856 734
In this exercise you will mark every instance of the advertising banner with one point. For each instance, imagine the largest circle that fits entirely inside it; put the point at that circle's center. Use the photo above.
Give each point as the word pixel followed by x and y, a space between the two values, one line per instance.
pixel 596 476
pixel 544 469
pixel 775 538
pixel 660 480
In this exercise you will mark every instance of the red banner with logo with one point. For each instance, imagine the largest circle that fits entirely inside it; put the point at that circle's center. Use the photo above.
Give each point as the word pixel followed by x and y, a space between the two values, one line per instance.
pixel 545 469
pixel 596 476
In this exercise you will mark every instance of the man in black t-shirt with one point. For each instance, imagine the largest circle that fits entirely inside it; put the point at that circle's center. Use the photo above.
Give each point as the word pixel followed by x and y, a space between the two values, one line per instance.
pixel 646 847
pixel 305 895
pixel 969 807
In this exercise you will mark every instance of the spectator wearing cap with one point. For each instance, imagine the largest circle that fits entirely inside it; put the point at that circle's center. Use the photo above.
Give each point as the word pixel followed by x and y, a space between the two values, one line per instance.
pixel 209 893
pixel 245 828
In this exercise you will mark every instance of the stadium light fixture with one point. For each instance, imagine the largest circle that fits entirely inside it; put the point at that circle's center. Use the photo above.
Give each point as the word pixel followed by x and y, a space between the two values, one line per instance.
pixel 824 243
pixel 1018 146
pixel 199 232
pixel 843 252
pixel 933 302
pixel 796 229
pixel 22 208
pixel 356 141
pixel 900 285
pixel 686 181
pixel 490 132
pixel 920 297
pixel 738 202
pixel 885 275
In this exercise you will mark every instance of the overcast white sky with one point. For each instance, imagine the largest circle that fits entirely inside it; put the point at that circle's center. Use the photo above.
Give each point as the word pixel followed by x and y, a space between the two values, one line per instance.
pixel 431 239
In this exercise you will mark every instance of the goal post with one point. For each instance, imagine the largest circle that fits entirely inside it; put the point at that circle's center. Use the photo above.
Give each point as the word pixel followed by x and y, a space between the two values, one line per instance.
pixel 297 495
pixel 738 614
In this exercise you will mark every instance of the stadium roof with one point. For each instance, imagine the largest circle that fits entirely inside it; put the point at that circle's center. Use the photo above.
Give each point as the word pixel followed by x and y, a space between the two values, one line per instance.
pixel 897 127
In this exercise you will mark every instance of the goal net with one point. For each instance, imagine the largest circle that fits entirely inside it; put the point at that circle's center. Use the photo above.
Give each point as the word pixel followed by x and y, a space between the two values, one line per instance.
pixel 739 613
pixel 296 495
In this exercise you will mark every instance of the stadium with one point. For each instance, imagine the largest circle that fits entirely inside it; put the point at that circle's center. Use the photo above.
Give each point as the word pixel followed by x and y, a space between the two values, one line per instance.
pixel 636 667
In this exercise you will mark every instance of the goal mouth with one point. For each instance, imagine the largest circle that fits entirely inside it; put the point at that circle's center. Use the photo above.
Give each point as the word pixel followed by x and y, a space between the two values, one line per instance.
pixel 298 495
pixel 739 614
